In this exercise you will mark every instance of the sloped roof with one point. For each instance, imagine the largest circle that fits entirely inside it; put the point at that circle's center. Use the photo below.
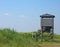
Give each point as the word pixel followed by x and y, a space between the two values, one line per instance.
pixel 47 16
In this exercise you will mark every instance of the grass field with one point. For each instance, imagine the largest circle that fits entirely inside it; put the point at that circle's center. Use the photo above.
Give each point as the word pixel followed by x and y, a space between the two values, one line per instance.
pixel 11 38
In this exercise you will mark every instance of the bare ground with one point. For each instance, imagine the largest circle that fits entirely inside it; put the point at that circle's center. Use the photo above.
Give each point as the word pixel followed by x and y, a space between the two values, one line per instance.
pixel 50 45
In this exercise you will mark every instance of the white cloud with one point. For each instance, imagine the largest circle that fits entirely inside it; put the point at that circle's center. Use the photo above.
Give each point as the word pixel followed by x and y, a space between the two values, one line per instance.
pixel 22 16
pixel 6 14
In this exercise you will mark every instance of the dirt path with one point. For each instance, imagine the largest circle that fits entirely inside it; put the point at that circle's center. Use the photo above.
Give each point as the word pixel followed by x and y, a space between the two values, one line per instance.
pixel 50 45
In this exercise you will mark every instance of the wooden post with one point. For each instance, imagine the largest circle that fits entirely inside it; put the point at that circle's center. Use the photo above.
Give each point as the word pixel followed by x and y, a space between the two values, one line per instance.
pixel 52 33
pixel 41 33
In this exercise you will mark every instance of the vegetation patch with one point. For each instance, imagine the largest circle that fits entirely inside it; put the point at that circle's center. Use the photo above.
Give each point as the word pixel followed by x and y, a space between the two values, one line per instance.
pixel 11 38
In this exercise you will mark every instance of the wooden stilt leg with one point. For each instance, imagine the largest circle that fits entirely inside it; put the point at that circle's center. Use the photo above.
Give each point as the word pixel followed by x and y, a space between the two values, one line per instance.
pixel 42 34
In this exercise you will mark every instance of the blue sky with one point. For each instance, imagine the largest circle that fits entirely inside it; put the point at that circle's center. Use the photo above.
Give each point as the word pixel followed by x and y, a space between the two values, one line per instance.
pixel 23 15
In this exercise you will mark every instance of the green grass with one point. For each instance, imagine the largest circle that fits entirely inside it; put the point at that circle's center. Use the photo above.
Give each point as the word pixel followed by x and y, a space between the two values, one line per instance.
pixel 11 38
